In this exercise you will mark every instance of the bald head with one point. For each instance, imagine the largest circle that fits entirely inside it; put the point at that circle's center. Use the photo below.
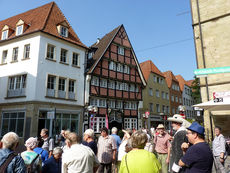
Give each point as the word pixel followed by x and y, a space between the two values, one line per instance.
pixel 73 138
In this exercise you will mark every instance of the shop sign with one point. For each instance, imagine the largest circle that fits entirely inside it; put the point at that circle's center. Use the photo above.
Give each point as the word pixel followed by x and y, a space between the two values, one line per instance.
pixel 206 71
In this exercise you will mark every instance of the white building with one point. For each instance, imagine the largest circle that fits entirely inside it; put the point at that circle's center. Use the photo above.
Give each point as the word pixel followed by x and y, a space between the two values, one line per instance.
pixel 188 101
pixel 41 70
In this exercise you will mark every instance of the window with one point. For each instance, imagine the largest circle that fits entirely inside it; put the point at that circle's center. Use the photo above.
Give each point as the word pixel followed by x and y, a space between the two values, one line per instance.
pixel 75 59
pixel 19 30
pixel 71 85
pixel 64 31
pixel 130 123
pixel 167 96
pixel 61 84
pixel 111 103
pixel 111 84
pixel 90 55
pixel 93 102
pixel 154 78
pixel 157 93
pixel 102 103
pixel 133 105
pixel 27 51
pixel 119 67
pixel 17 85
pixel 137 89
pixel 172 98
pixel 125 87
pixel 126 69
pixel 158 108
pixel 180 100
pixel 13 121
pixel 173 111
pixel 4 34
pixel 50 51
pixel 112 66
pixel 150 91
pixel 63 57
pixel 119 104
pixel 158 80
pixel 103 83
pixel 98 123
pixel 176 99
pixel 15 54
pixel 167 109
pixel 4 56
pixel 119 86
pixel 163 95
pixel 95 81
pixel 51 82
pixel 151 107
pixel 162 81
pixel 132 88
pixel 121 50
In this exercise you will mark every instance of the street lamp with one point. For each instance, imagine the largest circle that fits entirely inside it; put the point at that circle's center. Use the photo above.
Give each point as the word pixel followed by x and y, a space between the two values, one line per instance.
pixel 91 111
pixel 146 116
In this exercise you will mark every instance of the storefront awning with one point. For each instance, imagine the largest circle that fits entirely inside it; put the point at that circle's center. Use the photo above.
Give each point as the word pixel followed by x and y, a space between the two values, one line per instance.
pixel 220 105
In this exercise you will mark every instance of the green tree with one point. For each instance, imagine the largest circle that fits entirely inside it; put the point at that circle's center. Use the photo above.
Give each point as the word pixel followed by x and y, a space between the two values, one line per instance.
pixel 196 91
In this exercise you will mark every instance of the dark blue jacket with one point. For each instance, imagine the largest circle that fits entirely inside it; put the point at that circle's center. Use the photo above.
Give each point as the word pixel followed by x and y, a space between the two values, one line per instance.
pixel 17 165
pixel 52 166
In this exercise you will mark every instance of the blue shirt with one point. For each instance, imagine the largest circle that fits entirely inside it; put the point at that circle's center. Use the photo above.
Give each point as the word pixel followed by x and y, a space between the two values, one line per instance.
pixel 92 145
pixel 117 139
pixel 52 166
pixel 44 154
pixel 17 165
pixel 198 158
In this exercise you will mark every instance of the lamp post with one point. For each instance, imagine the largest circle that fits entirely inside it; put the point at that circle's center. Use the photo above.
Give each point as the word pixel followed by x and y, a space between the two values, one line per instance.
pixel 146 116
pixel 91 111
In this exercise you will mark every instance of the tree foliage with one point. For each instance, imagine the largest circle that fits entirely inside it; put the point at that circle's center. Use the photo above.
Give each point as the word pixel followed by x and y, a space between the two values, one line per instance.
pixel 196 91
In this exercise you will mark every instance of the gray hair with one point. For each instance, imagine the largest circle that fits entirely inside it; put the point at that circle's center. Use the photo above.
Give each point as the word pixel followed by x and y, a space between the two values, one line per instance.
pixel 10 140
pixel 31 143
pixel 89 132
pixel 114 130
pixel 57 150
pixel 139 139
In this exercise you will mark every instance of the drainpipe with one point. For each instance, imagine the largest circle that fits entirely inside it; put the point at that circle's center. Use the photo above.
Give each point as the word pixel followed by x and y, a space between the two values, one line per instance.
pixel 204 63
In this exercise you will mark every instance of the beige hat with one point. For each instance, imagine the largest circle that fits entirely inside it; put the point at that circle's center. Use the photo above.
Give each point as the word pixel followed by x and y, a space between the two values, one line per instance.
pixel 176 118
pixel 160 126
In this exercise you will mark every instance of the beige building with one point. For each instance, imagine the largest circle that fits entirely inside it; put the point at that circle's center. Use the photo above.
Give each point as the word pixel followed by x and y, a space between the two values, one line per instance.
pixel 155 94
pixel 211 26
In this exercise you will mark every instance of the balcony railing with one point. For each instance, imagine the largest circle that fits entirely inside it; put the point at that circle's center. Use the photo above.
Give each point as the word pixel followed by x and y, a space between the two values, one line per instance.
pixel 50 92
pixel 61 94
pixel 71 95
pixel 16 92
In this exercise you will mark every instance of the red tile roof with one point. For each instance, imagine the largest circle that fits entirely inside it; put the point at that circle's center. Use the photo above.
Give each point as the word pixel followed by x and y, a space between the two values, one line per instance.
pixel 189 82
pixel 45 19
pixel 169 77
pixel 181 81
pixel 147 67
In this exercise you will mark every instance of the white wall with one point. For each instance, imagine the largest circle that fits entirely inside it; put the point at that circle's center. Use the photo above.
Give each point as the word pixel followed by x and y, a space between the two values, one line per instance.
pixel 38 67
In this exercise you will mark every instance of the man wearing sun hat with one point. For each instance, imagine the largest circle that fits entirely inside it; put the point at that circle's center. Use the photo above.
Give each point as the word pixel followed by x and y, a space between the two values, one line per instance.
pixel 162 147
pixel 178 124
pixel 198 158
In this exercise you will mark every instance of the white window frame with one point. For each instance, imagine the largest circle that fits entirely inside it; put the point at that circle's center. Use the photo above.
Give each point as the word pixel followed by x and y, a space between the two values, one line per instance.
pixel 126 69
pixel 119 68
pixel 62 84
pixel 158 108
pixel 93 101
pixel 111 104
pixel 95 81
pixel 26 51
pixel 103 83
pixel 119 104
pixel 64 55
pixel 111 84
pixel 163 94
pixel 51 82
pixel 132 88
pixel 15 54
pixel 130 123
pixel 17 82
pixel 172 98
pixel 112 66
pixel 5 34
pixel 176 99
pixel 98 123
pixel 75 59
pixel 50 52
pixel 71 86
pixel 150 92
pixel 102 103
pixel 64 31
pixel 157 93
pixel 19 29
pixel 167 96
pixel 4 56
pixel 151 107
pixel 121 50
pixel 119 86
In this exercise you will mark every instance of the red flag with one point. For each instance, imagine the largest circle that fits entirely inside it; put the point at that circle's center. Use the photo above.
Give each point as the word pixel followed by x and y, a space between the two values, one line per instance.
pixel 106 121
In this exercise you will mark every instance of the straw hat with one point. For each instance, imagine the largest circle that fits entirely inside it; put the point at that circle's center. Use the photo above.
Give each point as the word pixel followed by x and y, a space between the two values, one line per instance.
pixel 176 118
pixel 160 126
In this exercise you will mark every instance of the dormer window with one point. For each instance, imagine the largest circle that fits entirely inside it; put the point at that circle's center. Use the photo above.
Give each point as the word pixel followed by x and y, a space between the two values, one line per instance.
pixel 121 50
pixel 4 34
pixel 64 31
pixel 19 30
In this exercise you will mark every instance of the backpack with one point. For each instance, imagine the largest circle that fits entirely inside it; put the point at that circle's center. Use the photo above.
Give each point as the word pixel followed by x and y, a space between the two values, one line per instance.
pixel 227 149
pixel 30 168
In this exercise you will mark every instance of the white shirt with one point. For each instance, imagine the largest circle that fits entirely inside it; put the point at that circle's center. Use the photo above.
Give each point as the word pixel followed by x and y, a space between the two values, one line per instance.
pixel 79 159
pixel 121 150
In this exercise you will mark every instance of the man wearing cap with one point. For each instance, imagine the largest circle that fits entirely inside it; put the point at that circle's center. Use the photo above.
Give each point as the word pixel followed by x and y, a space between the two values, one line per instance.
pixel 178 139
pixel 162 147
pixel 198 158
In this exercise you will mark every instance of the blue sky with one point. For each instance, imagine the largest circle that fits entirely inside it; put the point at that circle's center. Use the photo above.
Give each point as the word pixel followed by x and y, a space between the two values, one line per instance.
pixel 159 30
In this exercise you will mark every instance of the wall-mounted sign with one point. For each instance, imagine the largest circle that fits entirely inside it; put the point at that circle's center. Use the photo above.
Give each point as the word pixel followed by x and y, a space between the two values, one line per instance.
pixel 206 71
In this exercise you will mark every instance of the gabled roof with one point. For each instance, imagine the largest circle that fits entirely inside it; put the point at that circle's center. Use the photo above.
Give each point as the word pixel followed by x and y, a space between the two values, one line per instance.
pixel 103 45
pixel 147 67
pixel 181 81
pixel 189 82
pixel 45 19
pixel 169 77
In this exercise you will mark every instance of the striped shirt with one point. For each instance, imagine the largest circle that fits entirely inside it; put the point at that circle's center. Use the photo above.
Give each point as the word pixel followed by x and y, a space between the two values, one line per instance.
pixel 162 143
pixel 106 146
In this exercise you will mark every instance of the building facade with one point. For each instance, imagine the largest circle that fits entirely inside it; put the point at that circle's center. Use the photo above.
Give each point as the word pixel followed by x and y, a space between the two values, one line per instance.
pixel 187 99
pixel 211 23
pixel 175 94
pixel 155 95
pixel 41 73
pixel 114 83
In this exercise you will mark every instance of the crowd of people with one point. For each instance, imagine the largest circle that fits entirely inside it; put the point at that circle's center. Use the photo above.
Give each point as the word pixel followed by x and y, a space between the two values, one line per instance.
pixel 139 151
